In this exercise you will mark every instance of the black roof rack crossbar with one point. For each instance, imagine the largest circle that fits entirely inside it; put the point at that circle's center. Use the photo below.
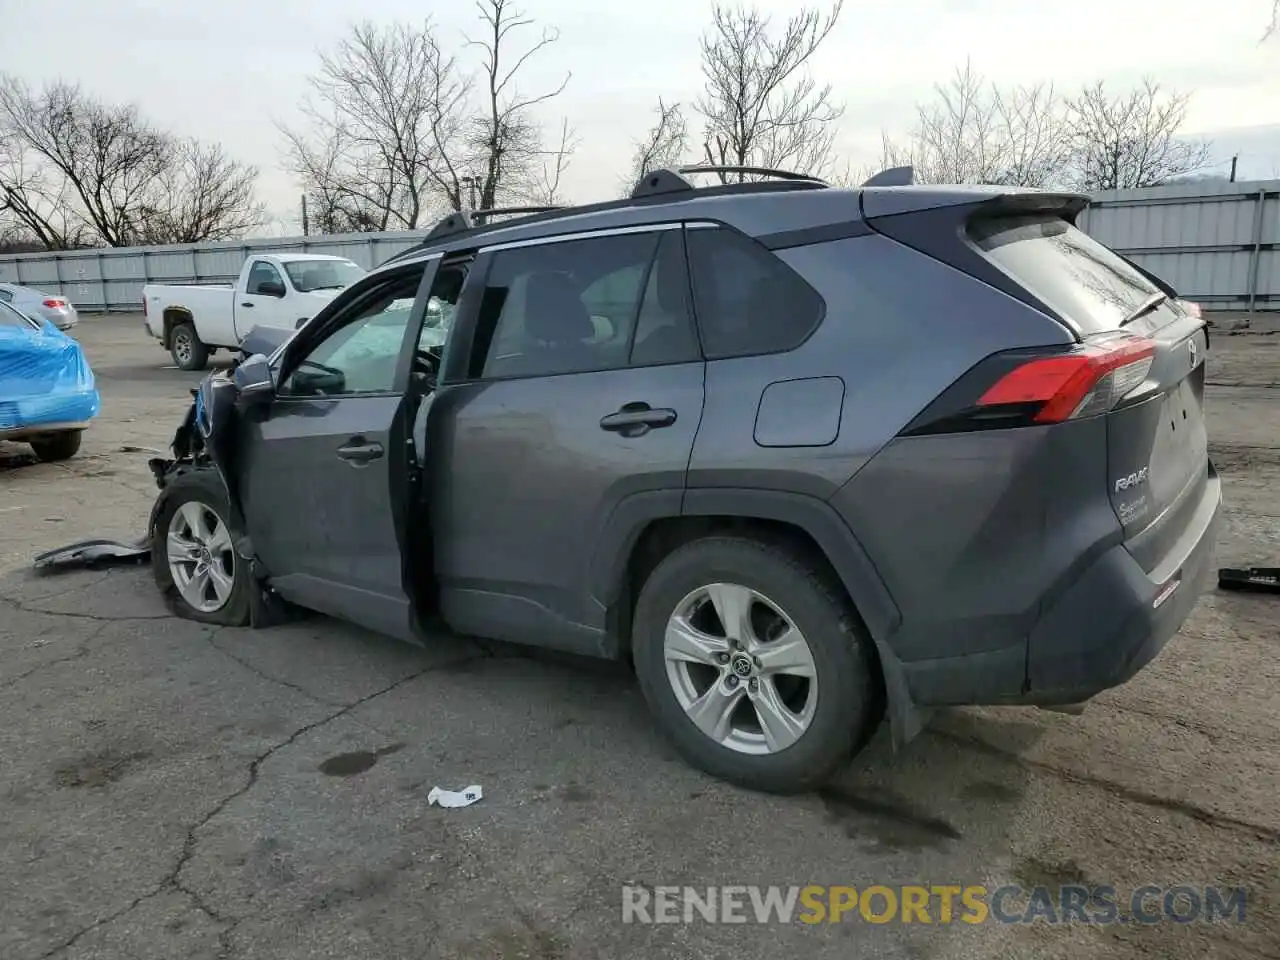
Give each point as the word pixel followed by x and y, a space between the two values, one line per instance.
pixel 461 221
pixel 893 177
pixel 657 182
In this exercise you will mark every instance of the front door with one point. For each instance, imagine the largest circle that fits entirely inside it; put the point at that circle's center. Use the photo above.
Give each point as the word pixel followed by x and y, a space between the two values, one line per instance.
pixel 583 386
pixel 265 301
pixel 324 461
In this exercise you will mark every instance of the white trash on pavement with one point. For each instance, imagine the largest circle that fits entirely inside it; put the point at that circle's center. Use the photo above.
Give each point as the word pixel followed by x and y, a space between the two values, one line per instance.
pixel 455 798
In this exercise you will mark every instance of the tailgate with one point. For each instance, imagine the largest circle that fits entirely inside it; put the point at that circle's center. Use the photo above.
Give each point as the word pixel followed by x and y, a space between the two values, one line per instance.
pixel 1157 446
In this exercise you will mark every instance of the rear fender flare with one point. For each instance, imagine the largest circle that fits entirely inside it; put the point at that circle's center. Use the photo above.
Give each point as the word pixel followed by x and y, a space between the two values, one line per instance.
pixel 815 517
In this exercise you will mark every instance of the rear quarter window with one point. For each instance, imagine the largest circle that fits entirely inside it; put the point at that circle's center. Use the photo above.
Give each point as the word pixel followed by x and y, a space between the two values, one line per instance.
pixel 1085 282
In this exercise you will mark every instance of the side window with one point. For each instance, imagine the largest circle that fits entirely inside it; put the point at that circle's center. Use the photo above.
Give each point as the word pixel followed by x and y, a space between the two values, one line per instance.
pixel 442 302
pixel 264 274
pixel 361 355
pixel 664 328
pixel 747 301
pixel 566 307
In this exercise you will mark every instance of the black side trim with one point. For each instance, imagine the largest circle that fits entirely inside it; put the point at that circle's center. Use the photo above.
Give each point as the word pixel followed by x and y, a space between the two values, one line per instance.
pixel 827 528
pixel 809 235
pixel 939 232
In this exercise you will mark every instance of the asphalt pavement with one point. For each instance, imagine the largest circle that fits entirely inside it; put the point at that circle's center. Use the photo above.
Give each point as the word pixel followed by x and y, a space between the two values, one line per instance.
pixel 169 790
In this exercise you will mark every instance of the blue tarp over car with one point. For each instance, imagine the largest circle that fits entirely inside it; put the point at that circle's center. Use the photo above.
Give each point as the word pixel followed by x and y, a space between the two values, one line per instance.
pixel 45 380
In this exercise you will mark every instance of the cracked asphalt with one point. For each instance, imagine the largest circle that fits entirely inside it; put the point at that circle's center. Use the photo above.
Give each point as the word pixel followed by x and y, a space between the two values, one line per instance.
pixel 170 790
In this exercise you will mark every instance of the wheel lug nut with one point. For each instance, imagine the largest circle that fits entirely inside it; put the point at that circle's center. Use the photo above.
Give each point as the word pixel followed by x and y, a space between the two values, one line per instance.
pixel 754 685
pixel 731 681
pixel 722 658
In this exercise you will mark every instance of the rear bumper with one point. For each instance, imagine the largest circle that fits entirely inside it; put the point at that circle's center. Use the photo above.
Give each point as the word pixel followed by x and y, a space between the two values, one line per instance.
pixel 1111 622
pixel 1117 618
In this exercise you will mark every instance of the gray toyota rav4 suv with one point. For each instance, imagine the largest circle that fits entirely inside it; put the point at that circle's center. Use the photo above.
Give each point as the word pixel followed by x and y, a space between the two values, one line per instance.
pixel 808 457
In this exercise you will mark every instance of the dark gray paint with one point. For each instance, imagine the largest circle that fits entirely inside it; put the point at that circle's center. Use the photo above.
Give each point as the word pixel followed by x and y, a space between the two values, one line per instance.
pixel 977 560
pixel 800 413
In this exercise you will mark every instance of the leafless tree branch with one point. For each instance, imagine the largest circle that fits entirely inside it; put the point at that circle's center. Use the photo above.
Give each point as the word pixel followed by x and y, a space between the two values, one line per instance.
pixel 80 171
pixel 664 145
pixel 760 106
pixel 1131 140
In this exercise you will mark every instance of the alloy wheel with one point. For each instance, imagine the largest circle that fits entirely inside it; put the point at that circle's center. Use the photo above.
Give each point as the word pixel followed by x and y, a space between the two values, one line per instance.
pixel 201 556
pixel 740 668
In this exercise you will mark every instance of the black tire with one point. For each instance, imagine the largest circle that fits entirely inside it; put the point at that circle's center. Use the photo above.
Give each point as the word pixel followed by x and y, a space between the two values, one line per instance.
pixel 202 486
pixel 845 714
pixel 57 446
pixel 186 349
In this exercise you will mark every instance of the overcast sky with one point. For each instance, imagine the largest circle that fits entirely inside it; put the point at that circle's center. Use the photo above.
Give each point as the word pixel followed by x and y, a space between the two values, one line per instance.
pixel 227 70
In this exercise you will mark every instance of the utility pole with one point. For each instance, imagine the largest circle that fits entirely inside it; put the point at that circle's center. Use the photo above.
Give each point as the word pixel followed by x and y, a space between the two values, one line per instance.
pixel 304 215
pixel 1234 160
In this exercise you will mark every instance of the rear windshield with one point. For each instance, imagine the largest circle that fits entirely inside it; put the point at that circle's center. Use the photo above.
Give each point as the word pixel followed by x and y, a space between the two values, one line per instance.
pixel 1089 285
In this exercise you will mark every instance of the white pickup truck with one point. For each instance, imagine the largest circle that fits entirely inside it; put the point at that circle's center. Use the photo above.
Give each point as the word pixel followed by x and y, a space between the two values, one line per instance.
pixel 274 290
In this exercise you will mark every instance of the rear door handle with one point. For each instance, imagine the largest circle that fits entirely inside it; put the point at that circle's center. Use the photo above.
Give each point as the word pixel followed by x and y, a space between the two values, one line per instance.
pixel 357 451
pixel 637 419
pixel 246 304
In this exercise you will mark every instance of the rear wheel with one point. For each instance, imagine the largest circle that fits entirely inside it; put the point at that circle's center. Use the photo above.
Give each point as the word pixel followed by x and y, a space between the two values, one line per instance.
pixel 193 557
pixel 186 349
pixel 754 664
pixel 57 446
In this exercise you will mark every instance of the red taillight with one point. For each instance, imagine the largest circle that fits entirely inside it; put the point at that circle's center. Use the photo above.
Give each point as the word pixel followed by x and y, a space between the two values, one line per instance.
pixel 55 303
pixel 1086 381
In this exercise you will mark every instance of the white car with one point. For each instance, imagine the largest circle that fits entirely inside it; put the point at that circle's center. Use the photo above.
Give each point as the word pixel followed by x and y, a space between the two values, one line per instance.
pixel 276 291
pixel 40 305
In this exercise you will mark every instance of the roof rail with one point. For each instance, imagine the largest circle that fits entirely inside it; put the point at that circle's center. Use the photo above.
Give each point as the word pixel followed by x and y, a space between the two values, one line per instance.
pixel 893 177
pixel 657 182
pixel 461 221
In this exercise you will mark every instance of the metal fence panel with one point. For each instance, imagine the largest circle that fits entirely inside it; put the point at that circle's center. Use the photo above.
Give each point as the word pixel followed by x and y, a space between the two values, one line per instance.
pixel 1215 243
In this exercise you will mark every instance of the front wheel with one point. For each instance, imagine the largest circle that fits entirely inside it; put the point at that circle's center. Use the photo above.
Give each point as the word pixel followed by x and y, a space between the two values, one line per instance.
pixel 186 349
pixel 193 557
pixel 754 664
pixel 57 446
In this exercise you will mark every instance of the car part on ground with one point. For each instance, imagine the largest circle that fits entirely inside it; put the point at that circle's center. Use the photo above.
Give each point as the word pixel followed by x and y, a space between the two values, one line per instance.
pixel 92 554
pixel 808 456
pixel 47 392
pixel 1257 579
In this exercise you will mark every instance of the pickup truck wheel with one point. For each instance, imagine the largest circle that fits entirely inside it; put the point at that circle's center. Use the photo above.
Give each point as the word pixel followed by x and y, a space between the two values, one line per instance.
pixel 57 446
pixel 193 558
pixel 754 664
pixel 186 349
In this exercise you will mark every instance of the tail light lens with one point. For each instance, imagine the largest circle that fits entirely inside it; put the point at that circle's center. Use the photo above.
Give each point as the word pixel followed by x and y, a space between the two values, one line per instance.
pixel 55 303
pixel 1192 308
pixel 1087 381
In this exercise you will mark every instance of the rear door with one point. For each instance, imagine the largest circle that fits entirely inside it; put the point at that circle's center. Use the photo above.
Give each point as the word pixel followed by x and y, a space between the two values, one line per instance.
pixel 1157 445
pixel 322 477
pixel 579 385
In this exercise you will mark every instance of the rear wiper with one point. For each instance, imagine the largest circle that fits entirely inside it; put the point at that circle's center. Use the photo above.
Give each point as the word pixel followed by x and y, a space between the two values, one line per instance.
pixel 1145 307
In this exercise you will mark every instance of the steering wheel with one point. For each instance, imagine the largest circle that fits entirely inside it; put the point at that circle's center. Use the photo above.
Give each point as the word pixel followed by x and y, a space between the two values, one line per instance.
pixel 332 371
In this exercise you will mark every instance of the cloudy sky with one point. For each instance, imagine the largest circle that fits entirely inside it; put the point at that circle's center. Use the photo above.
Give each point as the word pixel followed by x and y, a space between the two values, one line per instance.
pixel 228 71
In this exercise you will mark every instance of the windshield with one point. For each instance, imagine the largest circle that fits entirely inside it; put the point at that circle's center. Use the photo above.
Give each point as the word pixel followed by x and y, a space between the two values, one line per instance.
pixel 1087 283
pixel 308 275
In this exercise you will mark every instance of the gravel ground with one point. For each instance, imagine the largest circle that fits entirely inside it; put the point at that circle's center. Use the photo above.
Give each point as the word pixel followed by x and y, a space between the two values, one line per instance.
pixel 170 790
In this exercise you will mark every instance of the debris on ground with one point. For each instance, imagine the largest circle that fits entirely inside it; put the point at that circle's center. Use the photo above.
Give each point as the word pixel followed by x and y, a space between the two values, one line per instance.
pixel 455 798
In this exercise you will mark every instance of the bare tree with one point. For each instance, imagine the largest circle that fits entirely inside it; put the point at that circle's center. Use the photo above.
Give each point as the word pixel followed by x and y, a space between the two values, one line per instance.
pixel 202 194
pixel 1131 140
pixel 384 111
pixel 974 132
pixel 80 171
pixel 396 130
pixel 1274 25
pixel 761 107
pixel 664 145
pixel 507 139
